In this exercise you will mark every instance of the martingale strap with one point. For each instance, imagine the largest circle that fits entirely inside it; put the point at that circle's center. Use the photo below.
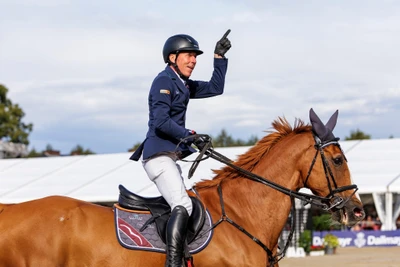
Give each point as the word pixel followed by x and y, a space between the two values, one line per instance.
pixel 271 258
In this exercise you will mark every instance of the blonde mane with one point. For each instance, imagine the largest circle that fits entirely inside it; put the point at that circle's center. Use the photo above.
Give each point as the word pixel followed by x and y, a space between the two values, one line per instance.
pixel 280 129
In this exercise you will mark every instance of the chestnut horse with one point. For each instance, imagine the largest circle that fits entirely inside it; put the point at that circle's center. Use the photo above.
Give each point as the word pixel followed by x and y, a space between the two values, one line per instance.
pixel 59 231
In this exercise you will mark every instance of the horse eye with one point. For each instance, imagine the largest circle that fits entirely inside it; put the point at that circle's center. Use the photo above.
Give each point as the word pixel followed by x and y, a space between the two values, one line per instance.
pixel 338 161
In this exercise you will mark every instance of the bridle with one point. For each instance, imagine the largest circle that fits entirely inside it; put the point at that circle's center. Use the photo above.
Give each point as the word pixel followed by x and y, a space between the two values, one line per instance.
pixel 330 202
pixel 327 203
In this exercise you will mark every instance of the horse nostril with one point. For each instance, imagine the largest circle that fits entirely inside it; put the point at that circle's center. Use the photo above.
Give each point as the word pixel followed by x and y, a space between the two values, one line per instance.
pixel 359 213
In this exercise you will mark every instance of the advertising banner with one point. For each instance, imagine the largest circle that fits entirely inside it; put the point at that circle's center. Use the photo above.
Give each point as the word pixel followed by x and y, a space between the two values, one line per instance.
pixel 360 238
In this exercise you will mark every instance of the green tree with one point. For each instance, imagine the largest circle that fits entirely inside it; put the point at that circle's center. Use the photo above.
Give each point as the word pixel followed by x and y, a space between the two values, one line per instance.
pixel 226 140
pixel 12 129
pixel 79 150
pixel 324 222
pixel 357 135
pixel 49 147
pixel 50 151
pixel 34 154
pixel 223 140
pixel 305 240
pixel 252 140
pixel 135 146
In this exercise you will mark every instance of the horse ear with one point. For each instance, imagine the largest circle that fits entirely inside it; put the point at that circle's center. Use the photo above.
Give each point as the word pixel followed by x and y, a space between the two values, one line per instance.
pixel 324 132
pixel 317 125
pixel 332 121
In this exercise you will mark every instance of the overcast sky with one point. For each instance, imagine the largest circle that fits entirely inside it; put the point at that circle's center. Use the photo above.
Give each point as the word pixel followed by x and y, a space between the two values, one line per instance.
pixel 81 70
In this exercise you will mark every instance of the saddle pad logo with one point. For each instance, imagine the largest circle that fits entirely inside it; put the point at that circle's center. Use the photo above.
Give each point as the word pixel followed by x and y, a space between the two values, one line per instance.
pixel 128 224
pixel 164 91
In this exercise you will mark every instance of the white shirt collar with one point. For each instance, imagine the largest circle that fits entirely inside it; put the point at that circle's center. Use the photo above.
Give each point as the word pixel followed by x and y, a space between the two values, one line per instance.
pixel 182 80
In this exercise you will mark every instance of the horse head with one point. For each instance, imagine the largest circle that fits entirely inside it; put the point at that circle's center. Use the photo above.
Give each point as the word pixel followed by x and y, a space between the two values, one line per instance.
pixel 329 175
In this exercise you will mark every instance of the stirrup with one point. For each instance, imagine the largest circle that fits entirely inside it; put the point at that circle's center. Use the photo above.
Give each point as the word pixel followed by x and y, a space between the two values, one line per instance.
pixel 189 262
pixel 188 258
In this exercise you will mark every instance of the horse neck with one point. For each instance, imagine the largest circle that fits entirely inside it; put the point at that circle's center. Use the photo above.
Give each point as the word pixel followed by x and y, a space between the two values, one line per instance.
pixel 259 208
pixel 2 207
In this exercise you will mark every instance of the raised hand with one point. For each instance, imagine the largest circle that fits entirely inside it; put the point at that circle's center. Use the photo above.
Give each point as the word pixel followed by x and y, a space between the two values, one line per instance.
pixel 223 45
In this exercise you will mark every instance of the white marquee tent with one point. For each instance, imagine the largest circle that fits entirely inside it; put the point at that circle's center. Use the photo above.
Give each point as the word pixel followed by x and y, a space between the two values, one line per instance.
pixel 374 165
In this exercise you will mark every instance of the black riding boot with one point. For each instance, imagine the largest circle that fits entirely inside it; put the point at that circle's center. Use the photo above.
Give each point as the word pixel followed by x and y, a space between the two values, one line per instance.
pixel 176 236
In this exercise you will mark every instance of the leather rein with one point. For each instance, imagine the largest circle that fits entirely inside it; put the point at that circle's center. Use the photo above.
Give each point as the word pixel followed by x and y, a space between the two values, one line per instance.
pixel 331 201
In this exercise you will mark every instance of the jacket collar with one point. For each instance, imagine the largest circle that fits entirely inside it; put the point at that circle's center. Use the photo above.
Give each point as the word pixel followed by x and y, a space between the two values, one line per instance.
pixel 175 78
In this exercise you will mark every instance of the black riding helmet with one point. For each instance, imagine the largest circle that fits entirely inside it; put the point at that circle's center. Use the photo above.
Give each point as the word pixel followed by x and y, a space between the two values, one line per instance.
pixel 179 43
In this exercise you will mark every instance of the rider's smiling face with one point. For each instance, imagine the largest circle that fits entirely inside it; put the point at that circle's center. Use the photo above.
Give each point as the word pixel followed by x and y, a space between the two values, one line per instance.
pixel 186 62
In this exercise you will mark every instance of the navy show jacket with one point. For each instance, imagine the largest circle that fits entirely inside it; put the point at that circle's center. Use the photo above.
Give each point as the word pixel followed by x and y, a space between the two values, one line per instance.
pixel 168 101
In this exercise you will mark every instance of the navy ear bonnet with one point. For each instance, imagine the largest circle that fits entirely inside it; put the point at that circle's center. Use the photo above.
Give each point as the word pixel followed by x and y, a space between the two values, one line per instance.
pixel 321 130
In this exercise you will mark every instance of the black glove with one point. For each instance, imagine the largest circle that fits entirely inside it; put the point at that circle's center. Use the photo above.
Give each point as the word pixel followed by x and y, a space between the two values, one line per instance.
pixel 200 142
pixel 223 45
pixel 189 137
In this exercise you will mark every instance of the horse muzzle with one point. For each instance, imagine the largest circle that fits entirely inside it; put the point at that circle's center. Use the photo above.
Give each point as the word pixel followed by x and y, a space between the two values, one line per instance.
pixel 348 214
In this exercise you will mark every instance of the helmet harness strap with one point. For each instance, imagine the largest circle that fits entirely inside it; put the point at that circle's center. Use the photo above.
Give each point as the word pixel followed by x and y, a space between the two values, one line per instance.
pixel 176 68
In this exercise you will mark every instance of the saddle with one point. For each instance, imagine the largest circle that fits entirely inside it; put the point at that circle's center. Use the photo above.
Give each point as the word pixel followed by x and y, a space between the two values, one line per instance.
pixel 160 211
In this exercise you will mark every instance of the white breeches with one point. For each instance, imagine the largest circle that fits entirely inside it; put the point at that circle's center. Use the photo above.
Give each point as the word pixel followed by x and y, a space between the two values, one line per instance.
pixel 167 176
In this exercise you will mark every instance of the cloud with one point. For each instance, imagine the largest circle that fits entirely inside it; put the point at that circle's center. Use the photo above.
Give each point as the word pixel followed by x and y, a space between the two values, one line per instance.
pixel 82 71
